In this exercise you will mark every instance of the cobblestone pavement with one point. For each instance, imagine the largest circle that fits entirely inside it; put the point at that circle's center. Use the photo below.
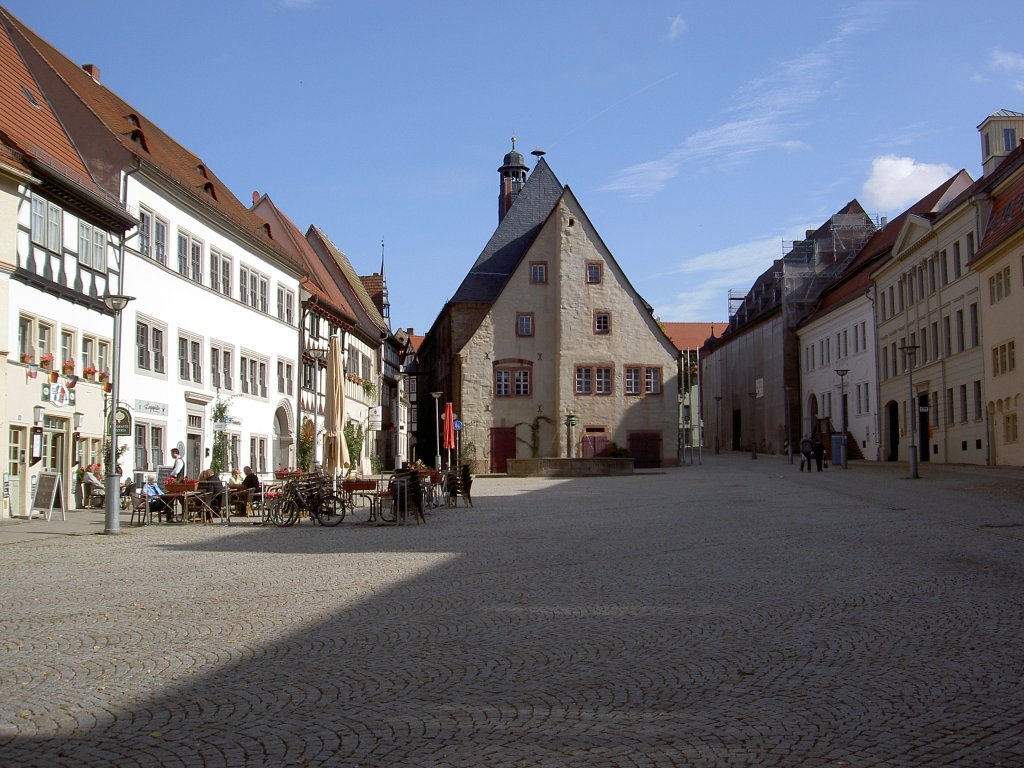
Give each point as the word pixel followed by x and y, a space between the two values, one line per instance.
pixel 738 613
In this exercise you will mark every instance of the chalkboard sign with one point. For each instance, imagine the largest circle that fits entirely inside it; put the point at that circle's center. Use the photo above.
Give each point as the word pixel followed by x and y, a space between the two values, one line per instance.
pixel 162 473
pixel 48 493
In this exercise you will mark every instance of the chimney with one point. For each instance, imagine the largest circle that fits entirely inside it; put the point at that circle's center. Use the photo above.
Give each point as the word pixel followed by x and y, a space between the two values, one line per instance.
pixel 255 197
pixel 93 71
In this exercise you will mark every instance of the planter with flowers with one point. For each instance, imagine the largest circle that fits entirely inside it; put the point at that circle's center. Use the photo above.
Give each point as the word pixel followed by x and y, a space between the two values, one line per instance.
pixel 67 367
pixel 26 357
pixel 89 372
pixel 104 375
pixel 46 360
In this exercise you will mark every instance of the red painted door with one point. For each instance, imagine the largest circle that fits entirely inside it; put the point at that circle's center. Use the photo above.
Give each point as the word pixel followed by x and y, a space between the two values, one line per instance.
pixel 503 447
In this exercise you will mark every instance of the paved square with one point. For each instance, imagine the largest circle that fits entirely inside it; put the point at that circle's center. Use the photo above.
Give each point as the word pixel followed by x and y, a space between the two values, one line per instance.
pixel 737 613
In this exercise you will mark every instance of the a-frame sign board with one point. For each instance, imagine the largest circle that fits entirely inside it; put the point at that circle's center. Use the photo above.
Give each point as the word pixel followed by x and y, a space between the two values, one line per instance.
pixel 48 494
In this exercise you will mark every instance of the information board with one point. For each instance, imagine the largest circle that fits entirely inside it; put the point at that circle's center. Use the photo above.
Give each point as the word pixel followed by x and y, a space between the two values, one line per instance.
pixel 48 494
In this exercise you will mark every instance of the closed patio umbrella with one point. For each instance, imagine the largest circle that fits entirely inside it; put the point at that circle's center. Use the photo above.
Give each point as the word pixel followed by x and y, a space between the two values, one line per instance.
pixel 335 448
pixel 449 431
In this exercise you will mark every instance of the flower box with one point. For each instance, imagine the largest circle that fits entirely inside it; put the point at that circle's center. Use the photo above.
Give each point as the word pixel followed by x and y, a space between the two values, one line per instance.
pixel 88 372
pixel 181 485
pixel 45 361
pixel 26 358
pixel 282 474
pixel 67 367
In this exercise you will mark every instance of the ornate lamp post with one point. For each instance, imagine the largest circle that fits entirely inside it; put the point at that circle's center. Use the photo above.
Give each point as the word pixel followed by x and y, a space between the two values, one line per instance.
pixel 437 427
pixel 841 373
pixel 112 501
pixel 909 351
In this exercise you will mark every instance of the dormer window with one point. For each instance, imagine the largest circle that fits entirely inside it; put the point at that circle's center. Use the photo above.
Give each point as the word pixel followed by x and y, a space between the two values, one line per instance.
pixel 209 189
pixel 201 170
pixel 133 120
pixel 139 138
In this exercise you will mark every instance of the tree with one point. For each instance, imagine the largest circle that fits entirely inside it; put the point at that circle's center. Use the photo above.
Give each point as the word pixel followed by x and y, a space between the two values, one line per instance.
pixel 219 461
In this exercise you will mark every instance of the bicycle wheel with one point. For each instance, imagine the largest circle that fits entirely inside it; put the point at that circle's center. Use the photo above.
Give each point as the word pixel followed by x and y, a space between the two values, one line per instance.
pixel 331 511
pixel 286 513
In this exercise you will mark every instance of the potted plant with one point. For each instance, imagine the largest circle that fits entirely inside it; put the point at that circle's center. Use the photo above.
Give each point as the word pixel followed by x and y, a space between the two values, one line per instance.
pixel 104 375
pixel 89 372
pixel 26 357
pixel 368 388
pixel 67 367
pixel 46 360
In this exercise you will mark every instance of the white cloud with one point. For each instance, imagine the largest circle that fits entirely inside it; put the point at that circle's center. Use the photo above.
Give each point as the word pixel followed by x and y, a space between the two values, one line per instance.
pixel 764 111
pixel 1006 61
pixel 896 182
pixel 676 27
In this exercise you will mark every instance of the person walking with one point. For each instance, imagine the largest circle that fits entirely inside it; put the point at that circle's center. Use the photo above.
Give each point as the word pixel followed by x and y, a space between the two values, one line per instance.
pixel 806 447
pixel 819 452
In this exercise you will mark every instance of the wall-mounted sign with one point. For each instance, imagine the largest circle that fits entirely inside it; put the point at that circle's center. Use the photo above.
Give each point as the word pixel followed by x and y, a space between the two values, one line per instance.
pixel 376 417
pixel 57 394
pixel 122 422
pixel 149 408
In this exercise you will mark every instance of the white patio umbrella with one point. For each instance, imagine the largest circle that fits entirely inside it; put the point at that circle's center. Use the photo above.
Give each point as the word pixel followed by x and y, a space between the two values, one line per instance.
pixel 335 448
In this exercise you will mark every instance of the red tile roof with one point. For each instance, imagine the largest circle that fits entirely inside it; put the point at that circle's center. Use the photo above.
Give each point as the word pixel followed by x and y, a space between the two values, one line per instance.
pixel 26 119
pixel 692 335
pixel 146 141
pixel 1007 215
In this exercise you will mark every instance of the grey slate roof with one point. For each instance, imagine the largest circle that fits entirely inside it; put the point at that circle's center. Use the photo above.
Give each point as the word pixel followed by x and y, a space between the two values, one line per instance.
pixel 513 237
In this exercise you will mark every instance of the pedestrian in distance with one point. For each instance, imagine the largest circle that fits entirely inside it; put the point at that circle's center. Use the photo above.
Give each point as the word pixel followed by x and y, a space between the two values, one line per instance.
pixel 819 452
pixel 806 447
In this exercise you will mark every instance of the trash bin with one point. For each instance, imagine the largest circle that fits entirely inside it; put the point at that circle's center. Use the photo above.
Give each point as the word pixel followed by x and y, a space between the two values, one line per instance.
pixel 837 450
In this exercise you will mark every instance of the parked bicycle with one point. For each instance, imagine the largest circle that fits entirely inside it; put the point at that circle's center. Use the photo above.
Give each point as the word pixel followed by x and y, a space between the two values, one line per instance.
pixel 311 494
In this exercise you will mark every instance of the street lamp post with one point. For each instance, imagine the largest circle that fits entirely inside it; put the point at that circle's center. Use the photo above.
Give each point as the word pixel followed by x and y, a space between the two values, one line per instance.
pixel 437 427
pixel 319 355
pixel 841 373
pixel 909 351
pixel 112 502
pixel 718 423
pixel 753 426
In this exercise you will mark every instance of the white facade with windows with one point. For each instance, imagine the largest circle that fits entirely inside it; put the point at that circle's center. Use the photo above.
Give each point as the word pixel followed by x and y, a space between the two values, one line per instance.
pixel 213 317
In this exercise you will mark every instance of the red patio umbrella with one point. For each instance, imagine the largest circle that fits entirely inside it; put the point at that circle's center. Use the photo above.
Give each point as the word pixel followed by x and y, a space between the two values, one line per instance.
pixel 449 431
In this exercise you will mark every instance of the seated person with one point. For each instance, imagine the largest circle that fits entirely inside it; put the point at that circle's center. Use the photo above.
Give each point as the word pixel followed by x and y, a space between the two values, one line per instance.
pixel 210 483
pixel 91 484
pixel 155 499
pixel 251 482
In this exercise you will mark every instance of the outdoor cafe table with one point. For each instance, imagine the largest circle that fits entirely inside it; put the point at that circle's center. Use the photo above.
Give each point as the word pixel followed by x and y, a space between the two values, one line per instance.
pixel 366 490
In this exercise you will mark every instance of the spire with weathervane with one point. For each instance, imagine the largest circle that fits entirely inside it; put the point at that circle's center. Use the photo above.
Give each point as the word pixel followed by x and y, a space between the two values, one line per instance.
pixel 513 175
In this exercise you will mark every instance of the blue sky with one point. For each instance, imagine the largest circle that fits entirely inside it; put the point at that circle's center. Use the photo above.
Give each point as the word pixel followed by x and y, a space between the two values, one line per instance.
pixel 699 137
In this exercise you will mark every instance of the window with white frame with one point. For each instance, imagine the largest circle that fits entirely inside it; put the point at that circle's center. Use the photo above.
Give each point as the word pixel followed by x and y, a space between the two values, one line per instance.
pixel 190 257
pixel 512 380
pixel 190 358
pixel 253 288
pixel 68 346
pixel 152 236
pixel 253 370
pixel 150 345
pixel 286 304
pixel 220 272
pixel 92 246
pixel 258 453
pixel 1004 358
pixel 652 381
pixel 595 272
pixel 46 224
pixel 538 272
pixel 285 376
pixel 524 324
pixel 149 446
pixel 95 354
pixel 633 377
pixel 602 322
pixel 221 365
